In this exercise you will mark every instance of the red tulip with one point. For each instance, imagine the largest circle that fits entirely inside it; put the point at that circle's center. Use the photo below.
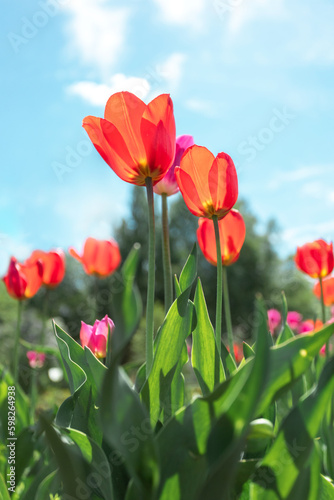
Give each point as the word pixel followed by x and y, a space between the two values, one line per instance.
pixel 238 352
pixel 328 289
pixel 53 266
pixel 100 257
pixel 23 280
pixel 208 185
pixel 135 139
pixel 232 232
pixel 36 359
pixel 95 337
pixel 168 185
pixel 315 259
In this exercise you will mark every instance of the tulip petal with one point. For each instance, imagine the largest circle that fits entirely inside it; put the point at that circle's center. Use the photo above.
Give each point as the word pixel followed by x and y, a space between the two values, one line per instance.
pixel 189 192
pixel 98 345
pixel 125 110
pixel 53 265
pixel 197 162
pixel 159 136
pixel 183 142
pixel 85 333
pixel 110 144
pixel 34 275
pixel 16 283
pixel 223 183
pixel 232 232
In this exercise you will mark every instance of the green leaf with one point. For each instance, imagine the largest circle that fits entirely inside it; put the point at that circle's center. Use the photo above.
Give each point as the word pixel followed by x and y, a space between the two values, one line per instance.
pixel 178 290
pixel 127 306
pixel 22 406
pixel 3 489
pixel 44 470
pixel 47 486
pixel 290 360
pixel 157 390
pixel 83 466
pixel 25 446
pixel 190 429
pixel 247 350
pixel 326 489
pixel 189 271
pixel 290 452
pixel 79 410
pixel 204 356
pixel 227 437
pixel 228 361
pixel 127 429
pixel 286 334
pixel 95 459
pixel 71 468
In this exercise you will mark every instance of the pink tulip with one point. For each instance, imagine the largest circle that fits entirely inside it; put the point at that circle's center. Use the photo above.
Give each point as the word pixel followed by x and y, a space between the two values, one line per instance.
pixel 95 337
pixel 274 319
pixel 309 326
pixel 168 184
pixel 294 320
pixel 36 359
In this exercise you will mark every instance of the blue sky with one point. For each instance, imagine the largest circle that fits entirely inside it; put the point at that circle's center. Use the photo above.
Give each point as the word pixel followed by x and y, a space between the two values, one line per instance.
pixel 253 78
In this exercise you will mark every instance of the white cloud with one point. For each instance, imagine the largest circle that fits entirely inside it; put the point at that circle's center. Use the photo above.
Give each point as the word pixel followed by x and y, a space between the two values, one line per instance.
pixel 96 32
pixel 98 93
pixel 164 77
pixel 182 12
pixel 171 70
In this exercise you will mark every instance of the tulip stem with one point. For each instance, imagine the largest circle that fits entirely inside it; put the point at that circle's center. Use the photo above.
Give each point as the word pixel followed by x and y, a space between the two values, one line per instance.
pixel 168 281
pixel 323 311
pixel 33 394
pixel 96 302
pixel 219 300
pixel 228 319
pixel 45 315
pixel 17 341
pixel 151 277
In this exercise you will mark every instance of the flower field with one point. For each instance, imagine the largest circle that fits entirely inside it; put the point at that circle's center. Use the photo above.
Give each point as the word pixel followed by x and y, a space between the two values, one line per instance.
pixel 207 415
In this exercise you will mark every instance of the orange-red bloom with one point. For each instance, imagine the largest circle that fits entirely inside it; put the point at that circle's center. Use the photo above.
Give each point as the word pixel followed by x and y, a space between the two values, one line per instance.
pixel 315 259
pixel 53 266
pixel 100 257
pixel 135 139
pixel 23 280
pixel 328 289
pixel 232 232
pixel 208 185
